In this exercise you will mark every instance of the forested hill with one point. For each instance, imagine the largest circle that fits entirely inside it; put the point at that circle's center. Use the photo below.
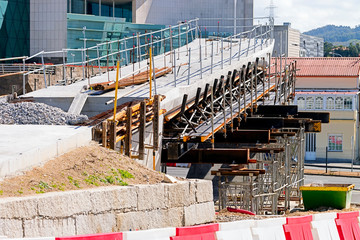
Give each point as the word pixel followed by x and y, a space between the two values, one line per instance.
pixel 332 33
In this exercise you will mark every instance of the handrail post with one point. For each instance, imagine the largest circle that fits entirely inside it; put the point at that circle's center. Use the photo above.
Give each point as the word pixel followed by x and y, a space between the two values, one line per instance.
pixel 43 67
pixel 201 70
pixel 222 53
pixel 174 67
pixel 98 59
pixel 179 41
pixel 64 67
pixel 239 53
pixel 212 56
pixel 189 65
pixel 230 50
pixel 24 78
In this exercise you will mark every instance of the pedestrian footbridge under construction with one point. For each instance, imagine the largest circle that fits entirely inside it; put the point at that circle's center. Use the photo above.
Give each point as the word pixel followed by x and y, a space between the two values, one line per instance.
pixel 218 102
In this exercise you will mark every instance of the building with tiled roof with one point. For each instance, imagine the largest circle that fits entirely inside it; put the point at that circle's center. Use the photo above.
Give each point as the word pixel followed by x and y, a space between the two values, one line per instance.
pixel 330 85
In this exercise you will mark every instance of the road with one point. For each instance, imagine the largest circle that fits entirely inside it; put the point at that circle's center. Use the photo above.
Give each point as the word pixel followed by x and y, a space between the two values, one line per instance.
pixel 181 172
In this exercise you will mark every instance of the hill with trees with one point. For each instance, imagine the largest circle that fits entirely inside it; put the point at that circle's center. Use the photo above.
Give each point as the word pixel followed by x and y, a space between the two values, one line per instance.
pixel 336 34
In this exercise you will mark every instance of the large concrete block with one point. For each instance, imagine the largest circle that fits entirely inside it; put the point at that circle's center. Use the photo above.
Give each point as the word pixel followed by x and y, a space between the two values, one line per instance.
pixel 151 197
pixel 204 191
pixel 178 194
pixel 126 198
pixel 11 228
pixel 91 224
pixel 18 208
pixel 40 227
pixel 175 217
pixel 141 220
pixel 199 213
pixel 113 198
pixel 64 204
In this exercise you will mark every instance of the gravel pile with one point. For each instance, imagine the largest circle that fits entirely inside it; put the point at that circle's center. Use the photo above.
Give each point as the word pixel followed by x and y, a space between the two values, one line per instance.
pixel 37 114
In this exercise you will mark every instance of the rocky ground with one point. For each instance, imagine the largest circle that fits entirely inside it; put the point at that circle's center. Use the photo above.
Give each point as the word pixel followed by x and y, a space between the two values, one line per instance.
pixel 36 113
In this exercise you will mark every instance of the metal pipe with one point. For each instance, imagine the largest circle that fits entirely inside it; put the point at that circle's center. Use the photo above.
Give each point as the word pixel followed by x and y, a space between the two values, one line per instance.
pixel 239 53
pixel 154 74
pixel 212 116
pixel 179 41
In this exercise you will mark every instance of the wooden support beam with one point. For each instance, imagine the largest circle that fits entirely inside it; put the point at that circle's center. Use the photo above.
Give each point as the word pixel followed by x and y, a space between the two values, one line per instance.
pixel 156 125
pixel 128 135
pixel 112 135
pixel 277 110
pixel 208 155
pixel 244 136
pixel 104 134
pixel 142 130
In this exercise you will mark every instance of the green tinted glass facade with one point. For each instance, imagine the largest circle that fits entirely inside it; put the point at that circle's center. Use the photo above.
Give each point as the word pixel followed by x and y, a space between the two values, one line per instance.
pixel 14 28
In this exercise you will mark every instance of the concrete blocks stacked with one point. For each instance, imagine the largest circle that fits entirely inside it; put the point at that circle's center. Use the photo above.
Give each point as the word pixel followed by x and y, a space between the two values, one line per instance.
pixel 108 209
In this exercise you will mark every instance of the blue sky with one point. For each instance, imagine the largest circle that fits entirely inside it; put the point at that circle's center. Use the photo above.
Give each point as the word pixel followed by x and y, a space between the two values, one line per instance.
pixel 309 14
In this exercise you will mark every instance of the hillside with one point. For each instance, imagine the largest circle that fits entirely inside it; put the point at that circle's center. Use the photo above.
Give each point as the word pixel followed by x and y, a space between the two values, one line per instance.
pixel 336 34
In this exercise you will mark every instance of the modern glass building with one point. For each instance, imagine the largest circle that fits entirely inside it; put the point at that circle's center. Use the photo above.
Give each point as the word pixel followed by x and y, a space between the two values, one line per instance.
pixel 14 28
pixel 104 8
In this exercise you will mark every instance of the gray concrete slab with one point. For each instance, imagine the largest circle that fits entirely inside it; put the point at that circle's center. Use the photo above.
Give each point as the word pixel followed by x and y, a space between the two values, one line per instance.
pixel 25 146
pixel 164 85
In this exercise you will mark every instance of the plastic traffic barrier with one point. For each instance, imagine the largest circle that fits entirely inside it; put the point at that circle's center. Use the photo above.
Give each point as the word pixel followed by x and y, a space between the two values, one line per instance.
pixel 238 234
pixel 203 236
pixel 323 226
pixel 269 229
pixel 102 236
pixel 347 224
pixel 229 226
pixel 298 228
pixel 152 234
pixel 196 230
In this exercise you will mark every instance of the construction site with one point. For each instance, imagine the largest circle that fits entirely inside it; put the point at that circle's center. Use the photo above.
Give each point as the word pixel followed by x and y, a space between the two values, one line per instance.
pixel 221 104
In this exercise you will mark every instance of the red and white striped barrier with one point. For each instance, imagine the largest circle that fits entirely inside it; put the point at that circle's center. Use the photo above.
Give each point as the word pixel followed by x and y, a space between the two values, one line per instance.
pixel 324 226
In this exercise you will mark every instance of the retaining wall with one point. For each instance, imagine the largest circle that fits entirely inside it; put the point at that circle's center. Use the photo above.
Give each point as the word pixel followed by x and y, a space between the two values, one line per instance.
pixel 108 209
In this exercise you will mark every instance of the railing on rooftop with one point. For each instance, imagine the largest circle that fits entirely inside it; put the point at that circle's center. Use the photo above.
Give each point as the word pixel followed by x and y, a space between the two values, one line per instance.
pixel 167 45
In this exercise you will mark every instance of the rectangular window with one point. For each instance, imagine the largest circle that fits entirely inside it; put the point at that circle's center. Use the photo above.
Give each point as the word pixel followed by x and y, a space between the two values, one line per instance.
pixel 348 103
pixel 335 143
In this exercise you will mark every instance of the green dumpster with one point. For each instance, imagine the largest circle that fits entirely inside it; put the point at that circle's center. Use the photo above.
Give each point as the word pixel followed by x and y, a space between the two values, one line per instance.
pixel 336 196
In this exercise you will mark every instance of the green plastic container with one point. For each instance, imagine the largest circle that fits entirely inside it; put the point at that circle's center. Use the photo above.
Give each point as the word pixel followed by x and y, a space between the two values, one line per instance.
pixel 336 196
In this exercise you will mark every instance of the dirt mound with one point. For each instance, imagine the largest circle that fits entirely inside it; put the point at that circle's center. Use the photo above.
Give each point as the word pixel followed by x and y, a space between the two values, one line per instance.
pixel 84 167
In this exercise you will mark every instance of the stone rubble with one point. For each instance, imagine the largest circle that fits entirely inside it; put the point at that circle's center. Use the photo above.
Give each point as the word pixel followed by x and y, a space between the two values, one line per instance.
pixel 36 114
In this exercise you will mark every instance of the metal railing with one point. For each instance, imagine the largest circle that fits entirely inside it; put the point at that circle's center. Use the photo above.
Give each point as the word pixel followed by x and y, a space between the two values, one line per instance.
pixel 167 46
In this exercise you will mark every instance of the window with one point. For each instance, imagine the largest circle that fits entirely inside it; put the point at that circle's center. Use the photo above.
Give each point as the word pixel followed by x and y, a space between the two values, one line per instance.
pixel 348 103
pixel 301 102
pixel 310 103
pixel 335 143
pixel 319 103
pixel 330 103
pixel 339 103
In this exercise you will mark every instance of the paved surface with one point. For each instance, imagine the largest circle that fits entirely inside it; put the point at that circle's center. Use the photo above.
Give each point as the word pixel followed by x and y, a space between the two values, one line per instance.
pixel 182 172
pixel 25 146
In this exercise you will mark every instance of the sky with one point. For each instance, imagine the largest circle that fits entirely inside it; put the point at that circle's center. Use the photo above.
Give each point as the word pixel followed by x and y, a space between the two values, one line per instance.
pixel 306 15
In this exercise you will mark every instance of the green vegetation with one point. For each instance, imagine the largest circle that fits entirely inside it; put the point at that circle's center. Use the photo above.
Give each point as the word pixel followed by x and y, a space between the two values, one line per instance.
pixel 333 34
pixel 353 50
pixel 73 181
pixel 113 177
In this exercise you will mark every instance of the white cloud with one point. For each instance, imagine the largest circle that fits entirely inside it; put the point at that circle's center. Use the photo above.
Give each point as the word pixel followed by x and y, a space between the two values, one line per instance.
pixel 309 14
